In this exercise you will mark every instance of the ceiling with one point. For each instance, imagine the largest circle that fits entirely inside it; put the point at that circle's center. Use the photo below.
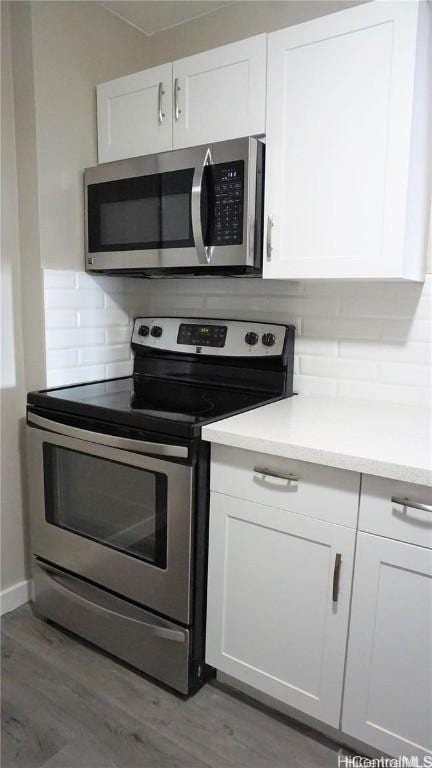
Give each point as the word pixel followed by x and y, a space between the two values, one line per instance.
pixel 154 16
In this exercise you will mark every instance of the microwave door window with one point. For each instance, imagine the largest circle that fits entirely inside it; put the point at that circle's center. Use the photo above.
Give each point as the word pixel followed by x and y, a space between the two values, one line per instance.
pixel 147 212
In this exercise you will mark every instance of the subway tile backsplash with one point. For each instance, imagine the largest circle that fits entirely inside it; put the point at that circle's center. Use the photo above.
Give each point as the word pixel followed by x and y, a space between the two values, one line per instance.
pixel 88 323
pixel 361 340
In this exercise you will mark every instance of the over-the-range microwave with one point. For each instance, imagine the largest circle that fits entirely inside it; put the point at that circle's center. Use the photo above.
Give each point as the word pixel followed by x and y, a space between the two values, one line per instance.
pixel 196 211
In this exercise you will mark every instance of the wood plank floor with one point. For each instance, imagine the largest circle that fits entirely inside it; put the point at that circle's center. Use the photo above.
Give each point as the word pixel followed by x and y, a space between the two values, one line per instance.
pixel 67 705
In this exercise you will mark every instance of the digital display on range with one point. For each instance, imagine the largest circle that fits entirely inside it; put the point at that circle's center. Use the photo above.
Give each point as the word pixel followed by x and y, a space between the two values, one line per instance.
pixel 202 335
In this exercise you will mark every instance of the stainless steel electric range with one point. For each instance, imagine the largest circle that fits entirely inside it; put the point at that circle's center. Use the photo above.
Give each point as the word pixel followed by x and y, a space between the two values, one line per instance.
pixel 119 487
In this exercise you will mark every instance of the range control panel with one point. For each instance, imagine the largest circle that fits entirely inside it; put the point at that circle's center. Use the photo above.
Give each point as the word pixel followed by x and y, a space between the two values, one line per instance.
pixel 228 180
pixel 229 338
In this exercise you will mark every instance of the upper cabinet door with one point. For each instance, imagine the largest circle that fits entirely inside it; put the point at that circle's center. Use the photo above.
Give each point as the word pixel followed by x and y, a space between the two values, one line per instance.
pixel 347 167
pixel 220 94
pixel 135 114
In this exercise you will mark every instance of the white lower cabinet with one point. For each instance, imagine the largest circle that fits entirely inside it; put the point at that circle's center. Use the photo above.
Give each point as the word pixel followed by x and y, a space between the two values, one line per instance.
pixel 388 689
pixel 278 606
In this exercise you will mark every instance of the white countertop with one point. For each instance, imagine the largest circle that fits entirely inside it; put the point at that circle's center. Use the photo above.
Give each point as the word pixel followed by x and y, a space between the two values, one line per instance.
pixel 377 438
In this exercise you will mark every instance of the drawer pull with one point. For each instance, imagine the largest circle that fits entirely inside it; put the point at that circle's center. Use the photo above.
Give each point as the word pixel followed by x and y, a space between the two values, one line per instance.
pixel 412 504
pixel 156 627
pixel 289 477
pixel 336 574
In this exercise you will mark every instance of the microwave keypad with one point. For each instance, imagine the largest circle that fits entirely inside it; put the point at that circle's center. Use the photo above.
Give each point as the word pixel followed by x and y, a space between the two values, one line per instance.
pixel 228 196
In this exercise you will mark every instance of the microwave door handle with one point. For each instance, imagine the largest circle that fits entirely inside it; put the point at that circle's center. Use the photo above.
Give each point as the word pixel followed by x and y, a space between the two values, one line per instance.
pixel 204 251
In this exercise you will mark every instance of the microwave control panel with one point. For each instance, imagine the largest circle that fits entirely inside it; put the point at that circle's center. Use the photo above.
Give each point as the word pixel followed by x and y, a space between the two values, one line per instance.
pixel 228 181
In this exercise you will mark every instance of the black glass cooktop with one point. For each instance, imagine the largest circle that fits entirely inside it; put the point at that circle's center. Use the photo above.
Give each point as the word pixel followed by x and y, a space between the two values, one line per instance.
pixel 157 405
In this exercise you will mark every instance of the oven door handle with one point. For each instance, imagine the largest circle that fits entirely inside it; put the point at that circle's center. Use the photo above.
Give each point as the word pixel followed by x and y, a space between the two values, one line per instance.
pixel 111 441
pixel 204 251
pixel 156 629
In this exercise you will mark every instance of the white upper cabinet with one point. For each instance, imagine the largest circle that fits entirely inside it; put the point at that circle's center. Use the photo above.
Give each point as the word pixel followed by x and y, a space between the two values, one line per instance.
pixel 388 691
pixel 212 96
pixel 347 170
pixel 220 94
pixel 135 114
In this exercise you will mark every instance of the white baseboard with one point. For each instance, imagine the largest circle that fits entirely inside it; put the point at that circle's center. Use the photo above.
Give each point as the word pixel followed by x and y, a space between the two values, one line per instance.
pixel 15 596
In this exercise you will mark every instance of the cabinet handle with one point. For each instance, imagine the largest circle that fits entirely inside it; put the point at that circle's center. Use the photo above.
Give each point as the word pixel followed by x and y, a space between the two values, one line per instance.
pixel 177 110
pixel 412 504
pixel 270 226
pixel 161 93
pixel 289 476
pixel 336 574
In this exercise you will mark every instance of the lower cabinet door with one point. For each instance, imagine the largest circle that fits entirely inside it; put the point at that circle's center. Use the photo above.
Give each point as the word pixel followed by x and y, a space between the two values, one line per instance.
pixel 388 690
pixel 278 603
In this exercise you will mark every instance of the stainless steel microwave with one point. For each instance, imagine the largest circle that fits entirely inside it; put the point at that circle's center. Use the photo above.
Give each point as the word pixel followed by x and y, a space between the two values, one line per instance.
pixel 196 211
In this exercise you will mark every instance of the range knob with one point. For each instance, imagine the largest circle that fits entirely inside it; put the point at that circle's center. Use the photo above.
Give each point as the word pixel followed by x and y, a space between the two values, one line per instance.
pixel 251 338
pixel 143 330
pixel 156 331
pixel 268 339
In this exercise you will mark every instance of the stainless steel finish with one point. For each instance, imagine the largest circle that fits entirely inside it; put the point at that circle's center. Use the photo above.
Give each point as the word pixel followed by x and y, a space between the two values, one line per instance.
pixel 336 575
pixel 291 478
pixel 66 583
pixel 177 89
pixel 161 113
pixel 112 441
pixel 405 502
pixel 270 226
pixel 204 251
pixel 154 645
pixel 251 231
pixel 235 345
pixel 166 591
pixel 222 256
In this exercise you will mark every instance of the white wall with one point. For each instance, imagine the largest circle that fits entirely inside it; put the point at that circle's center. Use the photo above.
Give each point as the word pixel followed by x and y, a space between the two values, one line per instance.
pixel 361 340
pixel 13 565
pixel 75 46
pixel 236 21
pixel 53 54
pixel 97 47
pixel 60 50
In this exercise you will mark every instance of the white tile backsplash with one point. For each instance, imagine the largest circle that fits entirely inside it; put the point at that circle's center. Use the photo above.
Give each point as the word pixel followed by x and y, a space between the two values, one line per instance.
pixel 361 340
pixel 88 326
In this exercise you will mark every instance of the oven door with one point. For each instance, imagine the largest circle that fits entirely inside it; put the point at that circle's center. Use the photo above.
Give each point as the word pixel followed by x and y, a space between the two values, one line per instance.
pixel 185 210
pixel 104 510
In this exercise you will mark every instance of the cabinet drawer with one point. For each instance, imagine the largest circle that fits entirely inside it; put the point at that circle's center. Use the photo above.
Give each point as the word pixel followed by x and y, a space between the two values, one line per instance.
pixel 380 512
pixel 137 636
pixel 319 492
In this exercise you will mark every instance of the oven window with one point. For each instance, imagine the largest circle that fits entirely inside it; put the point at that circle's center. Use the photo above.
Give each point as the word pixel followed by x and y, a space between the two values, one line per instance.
pixel 120 506
pixel 144 212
